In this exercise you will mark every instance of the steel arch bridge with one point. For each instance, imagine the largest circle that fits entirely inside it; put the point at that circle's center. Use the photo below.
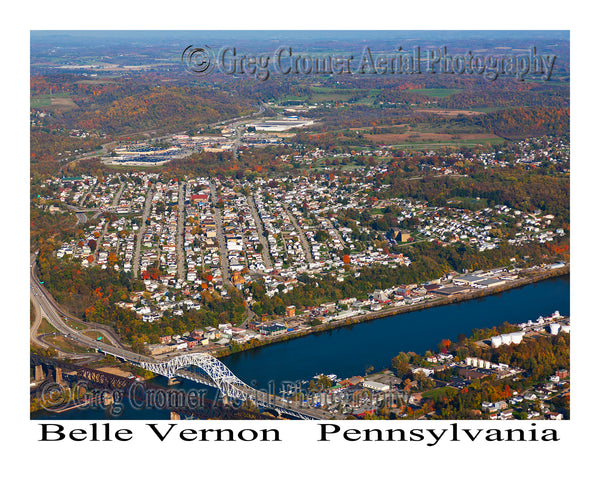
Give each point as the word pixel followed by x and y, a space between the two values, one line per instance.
pixel 221 377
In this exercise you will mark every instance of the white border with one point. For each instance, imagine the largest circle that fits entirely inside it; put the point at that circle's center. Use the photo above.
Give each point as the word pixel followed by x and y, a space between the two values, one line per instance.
pixel 301 455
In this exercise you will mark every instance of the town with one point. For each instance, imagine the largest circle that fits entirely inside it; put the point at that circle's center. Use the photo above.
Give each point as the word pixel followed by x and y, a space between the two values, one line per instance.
pixel 193 239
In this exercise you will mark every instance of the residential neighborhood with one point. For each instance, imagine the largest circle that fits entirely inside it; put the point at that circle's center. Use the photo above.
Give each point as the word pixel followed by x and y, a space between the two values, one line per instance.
pixel 186 239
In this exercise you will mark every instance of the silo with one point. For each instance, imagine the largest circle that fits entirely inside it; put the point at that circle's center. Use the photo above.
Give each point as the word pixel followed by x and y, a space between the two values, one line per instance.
pixel 554 328
pixel 496 342
pixel 506 339
pixel 566 329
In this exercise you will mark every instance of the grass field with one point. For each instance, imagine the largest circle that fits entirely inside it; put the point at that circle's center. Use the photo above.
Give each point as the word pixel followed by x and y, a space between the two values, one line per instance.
pixel 63 343
pixel 466 202
pixel 328 94
pixel 40 102
pixel 437 393
pixel 60 101
pixel 435 92
pixel 93 334
pixel 46 327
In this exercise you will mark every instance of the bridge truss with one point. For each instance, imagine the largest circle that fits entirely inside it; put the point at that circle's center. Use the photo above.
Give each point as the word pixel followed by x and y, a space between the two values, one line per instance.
pixel 221 377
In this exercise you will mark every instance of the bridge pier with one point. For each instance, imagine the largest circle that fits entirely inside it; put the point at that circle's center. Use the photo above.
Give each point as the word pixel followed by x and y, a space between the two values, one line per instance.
pixel 108 399
pixel 58 376
pixel 39 373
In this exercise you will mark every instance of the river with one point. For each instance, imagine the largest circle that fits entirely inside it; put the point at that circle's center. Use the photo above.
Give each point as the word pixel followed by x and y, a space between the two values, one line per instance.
pixel 350 350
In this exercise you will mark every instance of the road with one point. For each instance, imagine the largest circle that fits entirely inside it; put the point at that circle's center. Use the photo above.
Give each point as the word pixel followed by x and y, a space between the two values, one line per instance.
pixel 260 228
pixel 113 204
pixel 220 238
pixel 237 124
pixel 81 217
pixel 140 234
pixel 179 236
pixel 301 236
pixel 80 212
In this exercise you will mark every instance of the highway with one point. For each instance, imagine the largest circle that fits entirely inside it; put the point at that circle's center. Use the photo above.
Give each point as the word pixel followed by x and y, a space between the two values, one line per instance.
pixel 48 308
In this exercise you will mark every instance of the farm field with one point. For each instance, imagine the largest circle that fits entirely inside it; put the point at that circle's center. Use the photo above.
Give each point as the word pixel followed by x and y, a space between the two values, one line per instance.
pixel 436 92
pixel 419 137
pixel 60 101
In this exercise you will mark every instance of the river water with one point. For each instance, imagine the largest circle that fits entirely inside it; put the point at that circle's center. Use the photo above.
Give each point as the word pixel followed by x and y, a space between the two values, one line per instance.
pixel 348 351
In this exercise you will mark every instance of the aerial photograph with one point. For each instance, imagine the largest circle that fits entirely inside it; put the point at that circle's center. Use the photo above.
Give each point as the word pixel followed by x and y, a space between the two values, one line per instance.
pixel 300 225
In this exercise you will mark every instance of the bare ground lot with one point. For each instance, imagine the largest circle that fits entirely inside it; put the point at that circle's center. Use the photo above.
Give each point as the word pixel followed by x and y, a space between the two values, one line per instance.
pixel 115 371
pixel 64 104
pixel 446 112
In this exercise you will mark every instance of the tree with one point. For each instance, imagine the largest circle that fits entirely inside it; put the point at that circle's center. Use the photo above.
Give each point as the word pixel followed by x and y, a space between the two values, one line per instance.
pixel 400 364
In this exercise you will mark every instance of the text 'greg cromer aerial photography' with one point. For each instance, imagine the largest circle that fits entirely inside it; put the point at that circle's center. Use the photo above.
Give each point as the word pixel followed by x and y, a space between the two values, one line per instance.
pixel 301 225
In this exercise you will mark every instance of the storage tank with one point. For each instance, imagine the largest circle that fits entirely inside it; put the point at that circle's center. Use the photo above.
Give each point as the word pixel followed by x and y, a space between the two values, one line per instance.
pixel 554 328
pixel 516 337
pixel 566 328
pixel 496 341
pixel 506 339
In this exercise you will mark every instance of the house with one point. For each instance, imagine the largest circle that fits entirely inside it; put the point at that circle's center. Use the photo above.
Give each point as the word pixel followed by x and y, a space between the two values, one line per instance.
pixel 380 296
pixel 330 306
pixel 197 334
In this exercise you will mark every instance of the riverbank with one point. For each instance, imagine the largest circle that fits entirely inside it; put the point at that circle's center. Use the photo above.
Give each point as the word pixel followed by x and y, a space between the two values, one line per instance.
pixel 529 277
